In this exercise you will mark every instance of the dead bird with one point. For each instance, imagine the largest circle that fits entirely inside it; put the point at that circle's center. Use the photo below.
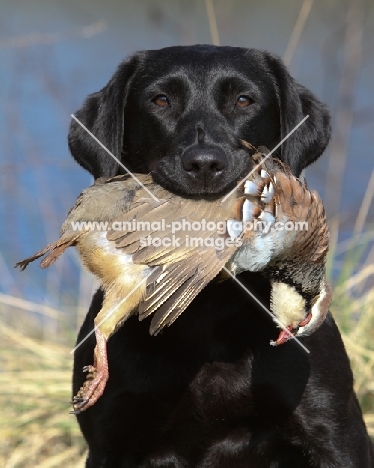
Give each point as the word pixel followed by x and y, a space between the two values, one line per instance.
pixel 159 270
pixel 292 254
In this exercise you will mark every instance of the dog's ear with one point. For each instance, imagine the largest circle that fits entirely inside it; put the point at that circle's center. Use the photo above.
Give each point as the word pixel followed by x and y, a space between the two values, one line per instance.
pixel 102 115
pixel 295 102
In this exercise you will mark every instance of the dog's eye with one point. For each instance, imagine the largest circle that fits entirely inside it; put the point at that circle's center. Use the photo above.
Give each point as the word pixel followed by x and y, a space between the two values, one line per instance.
pixel 161 100
pixel 244 101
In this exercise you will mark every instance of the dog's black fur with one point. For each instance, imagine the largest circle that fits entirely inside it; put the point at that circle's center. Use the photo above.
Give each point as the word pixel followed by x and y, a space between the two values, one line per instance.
pixel 210 391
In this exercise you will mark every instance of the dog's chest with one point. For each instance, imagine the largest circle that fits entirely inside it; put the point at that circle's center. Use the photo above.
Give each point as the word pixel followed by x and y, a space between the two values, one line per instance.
pixel 221 392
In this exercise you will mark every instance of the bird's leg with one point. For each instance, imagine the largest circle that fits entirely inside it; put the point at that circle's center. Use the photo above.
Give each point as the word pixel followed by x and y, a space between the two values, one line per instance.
pixel 97 377
pixel 113 311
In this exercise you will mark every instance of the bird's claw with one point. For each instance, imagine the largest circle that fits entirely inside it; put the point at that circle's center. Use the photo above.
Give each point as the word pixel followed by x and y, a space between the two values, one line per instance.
pixel 91 390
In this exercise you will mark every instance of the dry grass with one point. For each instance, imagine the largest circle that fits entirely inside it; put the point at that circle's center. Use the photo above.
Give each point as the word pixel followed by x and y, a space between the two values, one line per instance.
pixel 35 428
pixel 356 320
pixel 353 309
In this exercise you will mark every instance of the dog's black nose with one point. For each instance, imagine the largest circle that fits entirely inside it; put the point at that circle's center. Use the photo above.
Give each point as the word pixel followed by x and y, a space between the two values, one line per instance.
pixel 204 161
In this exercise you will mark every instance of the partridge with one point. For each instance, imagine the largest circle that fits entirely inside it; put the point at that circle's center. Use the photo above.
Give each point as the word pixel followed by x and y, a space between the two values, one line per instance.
pixel 154 257
pixel 291 250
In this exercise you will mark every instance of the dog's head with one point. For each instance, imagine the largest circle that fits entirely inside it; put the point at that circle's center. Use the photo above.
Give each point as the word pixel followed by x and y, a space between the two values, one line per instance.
pixel 180 113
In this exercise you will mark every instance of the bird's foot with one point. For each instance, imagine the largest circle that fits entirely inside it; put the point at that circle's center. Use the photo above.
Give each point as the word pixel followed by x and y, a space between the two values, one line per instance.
pixel 289 332
pixel 97 377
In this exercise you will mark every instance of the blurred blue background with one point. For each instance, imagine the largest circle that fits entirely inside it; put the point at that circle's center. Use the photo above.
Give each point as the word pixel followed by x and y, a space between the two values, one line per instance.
pixel 53 53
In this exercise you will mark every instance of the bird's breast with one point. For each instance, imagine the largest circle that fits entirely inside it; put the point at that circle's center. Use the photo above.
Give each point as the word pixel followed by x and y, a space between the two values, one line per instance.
pixel 101 257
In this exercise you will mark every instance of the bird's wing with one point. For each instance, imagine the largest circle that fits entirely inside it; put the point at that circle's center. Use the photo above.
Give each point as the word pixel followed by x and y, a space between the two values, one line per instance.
pixel 298 204
pixel 170 306
pixel 185 266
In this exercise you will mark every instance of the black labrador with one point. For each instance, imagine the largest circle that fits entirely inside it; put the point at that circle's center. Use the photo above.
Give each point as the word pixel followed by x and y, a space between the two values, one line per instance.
pixel 210 391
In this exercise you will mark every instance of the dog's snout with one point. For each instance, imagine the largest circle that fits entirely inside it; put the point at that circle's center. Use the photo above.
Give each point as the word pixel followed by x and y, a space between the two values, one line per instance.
pixel 204 161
